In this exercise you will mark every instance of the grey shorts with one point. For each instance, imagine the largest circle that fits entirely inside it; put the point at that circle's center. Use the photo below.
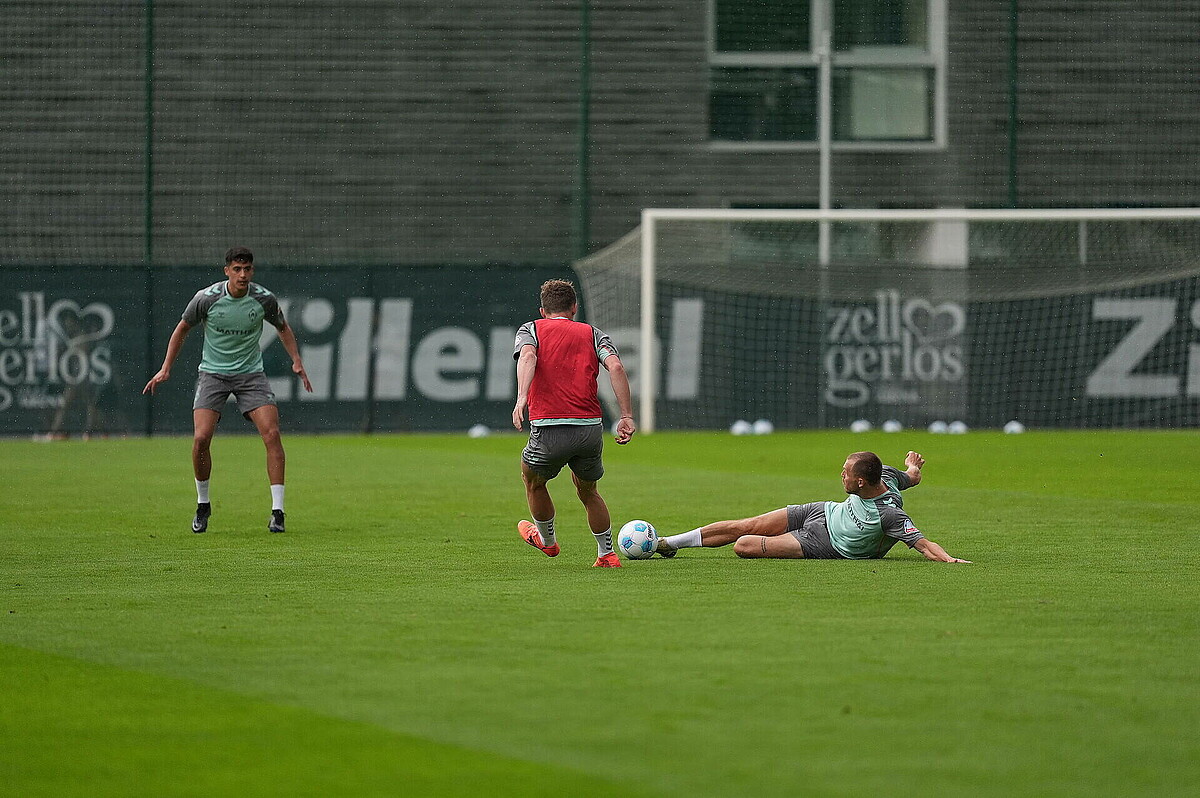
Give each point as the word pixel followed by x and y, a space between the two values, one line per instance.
pixel 556 445
pixel 806 523
pixel 252 391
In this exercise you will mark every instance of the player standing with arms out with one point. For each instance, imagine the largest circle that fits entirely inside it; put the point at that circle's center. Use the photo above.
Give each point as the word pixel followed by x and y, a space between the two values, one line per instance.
pixel 558 360
pixel 233 313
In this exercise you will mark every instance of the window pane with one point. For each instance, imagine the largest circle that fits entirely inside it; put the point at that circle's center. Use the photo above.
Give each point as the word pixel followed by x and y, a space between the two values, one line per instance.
pixel 763 104
pixel 880 23
pixel 762 26
pixel 882 104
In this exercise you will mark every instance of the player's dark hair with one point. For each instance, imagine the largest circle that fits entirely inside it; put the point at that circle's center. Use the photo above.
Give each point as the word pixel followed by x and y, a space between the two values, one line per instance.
pixel 239 255
pixel 866 465
pixel 558 296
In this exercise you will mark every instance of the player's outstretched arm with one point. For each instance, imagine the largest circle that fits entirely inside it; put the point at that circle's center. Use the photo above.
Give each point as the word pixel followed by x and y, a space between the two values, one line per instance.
pixel 620 384
pixel 526 365
pixel 173 346
pixel 914 462
pixel 288 339
pixel 933 551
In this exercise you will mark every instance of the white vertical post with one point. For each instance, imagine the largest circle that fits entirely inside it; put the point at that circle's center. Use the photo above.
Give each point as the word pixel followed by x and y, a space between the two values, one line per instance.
pixel 825 135
pixel 647 360
pixel 825 145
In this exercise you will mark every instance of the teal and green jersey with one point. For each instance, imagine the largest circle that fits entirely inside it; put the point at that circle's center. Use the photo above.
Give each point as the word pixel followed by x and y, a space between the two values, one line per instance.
pixel 867 528
pixel 233 326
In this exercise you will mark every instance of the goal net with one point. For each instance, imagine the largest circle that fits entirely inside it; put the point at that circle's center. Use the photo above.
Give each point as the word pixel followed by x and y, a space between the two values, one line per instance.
pixel 1056 318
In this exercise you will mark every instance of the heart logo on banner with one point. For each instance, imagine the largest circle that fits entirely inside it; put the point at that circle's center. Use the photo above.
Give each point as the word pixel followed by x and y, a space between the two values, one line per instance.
pixel 77 325
pixel 934 323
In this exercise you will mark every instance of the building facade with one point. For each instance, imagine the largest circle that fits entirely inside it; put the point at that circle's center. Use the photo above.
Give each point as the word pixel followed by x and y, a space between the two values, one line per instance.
pixel 476 132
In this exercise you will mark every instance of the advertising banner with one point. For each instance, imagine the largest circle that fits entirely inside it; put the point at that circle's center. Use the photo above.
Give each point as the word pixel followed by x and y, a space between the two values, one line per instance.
pixel 1112 358
pixel 73 347
pixel 400 349
pixel 430 349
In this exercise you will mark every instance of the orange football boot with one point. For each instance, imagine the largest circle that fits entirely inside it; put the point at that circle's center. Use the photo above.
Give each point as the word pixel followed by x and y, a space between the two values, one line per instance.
pixel 530 533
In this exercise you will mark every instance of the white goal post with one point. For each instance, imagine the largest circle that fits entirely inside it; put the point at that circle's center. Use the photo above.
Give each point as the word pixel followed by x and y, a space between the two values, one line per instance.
pixel 962 258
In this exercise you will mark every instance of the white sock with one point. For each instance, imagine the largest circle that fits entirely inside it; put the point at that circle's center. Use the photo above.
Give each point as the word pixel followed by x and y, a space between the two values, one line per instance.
pixel 686 540
pixel 277 497
pixel 603 542
pixel 202 491
pixel 546 530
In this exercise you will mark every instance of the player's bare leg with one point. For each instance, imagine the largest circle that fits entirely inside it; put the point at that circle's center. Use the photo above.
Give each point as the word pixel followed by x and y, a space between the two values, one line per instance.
pixel 597 511
pixel 536 493
pixel 599 521
pixel 540 533
pixel 204 426
pixel 722 533
pixel 266 421
pixel 780 547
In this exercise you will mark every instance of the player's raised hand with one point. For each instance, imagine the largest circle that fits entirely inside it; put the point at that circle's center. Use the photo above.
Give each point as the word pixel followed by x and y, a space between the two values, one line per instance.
pixel 162 376
pixel 914 459
pixel 298 370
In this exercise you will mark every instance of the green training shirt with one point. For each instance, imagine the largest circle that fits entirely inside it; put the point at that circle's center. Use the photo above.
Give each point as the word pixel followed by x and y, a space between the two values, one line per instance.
pixel 233 326
pixel 867 528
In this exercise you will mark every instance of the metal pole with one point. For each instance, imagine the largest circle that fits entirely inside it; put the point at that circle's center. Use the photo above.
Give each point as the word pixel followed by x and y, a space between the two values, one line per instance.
pixel 647 361
pixel 1013 63
pixel 583 179
pixel 148 190
pixel 148 175
pixel 825 123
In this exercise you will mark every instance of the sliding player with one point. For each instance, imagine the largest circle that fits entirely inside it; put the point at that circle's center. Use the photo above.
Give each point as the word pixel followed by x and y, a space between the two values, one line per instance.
pixel 865 526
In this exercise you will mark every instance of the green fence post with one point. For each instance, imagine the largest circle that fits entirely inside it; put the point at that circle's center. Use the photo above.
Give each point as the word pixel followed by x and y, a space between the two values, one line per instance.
pixel 583 187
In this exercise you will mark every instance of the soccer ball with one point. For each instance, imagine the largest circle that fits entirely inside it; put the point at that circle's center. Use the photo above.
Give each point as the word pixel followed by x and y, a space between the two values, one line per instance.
pixel 860 425
pixel 957 428
pixel 741 427
pixel 763 427
pixel 892 425
pixel 938 427
pixel 1014 427
pixel 637 540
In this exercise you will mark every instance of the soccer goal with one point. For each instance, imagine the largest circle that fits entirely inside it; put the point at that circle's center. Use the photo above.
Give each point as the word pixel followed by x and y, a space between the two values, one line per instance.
pixel 809 319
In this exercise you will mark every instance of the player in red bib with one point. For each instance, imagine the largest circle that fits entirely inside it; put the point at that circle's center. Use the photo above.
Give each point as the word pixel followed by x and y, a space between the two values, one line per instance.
pixel 558 361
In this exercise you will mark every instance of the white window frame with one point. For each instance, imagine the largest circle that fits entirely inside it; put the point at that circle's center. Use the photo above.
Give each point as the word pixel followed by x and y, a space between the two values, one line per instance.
pixel 934 58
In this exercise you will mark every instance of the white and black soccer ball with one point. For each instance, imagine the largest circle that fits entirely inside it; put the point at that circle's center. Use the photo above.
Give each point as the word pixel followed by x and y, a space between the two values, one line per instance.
pixel 637 540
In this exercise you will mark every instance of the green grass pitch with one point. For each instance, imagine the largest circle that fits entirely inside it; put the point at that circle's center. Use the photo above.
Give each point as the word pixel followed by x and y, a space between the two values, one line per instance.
pixel 400 639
